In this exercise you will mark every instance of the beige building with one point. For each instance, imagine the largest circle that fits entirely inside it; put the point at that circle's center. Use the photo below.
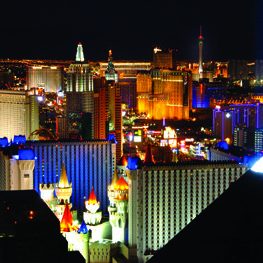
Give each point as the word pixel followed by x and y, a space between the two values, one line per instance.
pixel 19 113
pixel 164 199
pixel 48 77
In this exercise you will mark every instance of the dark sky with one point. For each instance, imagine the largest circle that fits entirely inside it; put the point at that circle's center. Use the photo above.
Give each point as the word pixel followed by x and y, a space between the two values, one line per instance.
pixel 52 29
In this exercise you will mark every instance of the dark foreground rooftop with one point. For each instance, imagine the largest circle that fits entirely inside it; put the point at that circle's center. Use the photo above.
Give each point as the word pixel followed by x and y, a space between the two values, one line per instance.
pixel 30 232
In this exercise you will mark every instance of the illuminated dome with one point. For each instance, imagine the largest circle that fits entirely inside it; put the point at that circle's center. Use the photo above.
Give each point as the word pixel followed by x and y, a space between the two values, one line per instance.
pixel 121 184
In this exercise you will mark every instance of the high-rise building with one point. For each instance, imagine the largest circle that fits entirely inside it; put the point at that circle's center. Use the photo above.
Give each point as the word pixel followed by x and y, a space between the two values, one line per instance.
pixel 165 94
pixel 127 76
pixel 163 59
pixel 50 78
pixel 80 98
pixel 258 144
pixel 240 136
pixel 167 198
pixel 200 96
pixel 101 122
pixel 108 111
pixel 227 117
pixel 19 113
pixel 224 229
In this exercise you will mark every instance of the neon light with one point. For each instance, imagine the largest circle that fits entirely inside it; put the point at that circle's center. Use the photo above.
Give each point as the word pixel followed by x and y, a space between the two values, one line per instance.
pixel 26 154
pixel 258 166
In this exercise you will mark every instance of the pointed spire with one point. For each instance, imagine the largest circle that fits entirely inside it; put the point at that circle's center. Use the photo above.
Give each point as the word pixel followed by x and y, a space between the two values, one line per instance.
pixel 110 55
pixel 148 159
pixel 92 197
pixel 79 54
pixel 200 35
pixel 110 73
pixel 83 228
pixel 63 180
pixel 67 220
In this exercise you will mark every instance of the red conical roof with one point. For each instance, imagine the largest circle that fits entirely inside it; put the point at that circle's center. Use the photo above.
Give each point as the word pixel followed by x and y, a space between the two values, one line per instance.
pixel 92 197
pixel 67 220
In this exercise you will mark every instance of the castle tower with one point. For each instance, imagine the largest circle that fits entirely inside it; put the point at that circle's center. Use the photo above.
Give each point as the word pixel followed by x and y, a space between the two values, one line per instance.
pixel 47 194
pixel 92 216
pixel 82 241
pixel 63 192
pixel 200 49
pixel 67 220
pixel 111 187
pixel 22 167
pixel 133 169
pixel 118 209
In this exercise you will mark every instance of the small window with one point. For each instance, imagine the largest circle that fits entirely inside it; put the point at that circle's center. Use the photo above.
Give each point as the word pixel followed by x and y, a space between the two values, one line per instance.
pixel 26 175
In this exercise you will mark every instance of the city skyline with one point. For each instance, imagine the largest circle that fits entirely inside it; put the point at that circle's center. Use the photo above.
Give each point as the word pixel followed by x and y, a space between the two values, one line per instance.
pixel 131 30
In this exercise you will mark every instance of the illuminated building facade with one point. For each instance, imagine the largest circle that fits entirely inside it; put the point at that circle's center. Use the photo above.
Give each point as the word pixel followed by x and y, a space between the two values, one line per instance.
pixel 107 104
pixel 163 59
pixel 101 123
pixel 48 77
pixel 168 94
pixel 80 98
pixel 200 96
pixel 19 113
pixel 258 144
pixel 167 198
pixel 226 118
pixel 240 136
pixel 88 163
pixel 114 110
pixel 127 76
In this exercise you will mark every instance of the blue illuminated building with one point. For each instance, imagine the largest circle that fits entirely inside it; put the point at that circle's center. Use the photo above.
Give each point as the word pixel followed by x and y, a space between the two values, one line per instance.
pixel 200 98
pixel 88 164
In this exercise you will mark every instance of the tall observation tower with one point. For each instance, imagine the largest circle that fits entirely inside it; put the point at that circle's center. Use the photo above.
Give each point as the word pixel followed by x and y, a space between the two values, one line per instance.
pixel 200 47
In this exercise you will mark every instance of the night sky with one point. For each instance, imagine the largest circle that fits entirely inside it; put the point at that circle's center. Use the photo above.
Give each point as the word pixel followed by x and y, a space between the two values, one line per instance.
pixel 52 29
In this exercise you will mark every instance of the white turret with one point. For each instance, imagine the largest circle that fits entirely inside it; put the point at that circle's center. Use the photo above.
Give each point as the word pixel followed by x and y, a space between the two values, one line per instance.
pixel 118 209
